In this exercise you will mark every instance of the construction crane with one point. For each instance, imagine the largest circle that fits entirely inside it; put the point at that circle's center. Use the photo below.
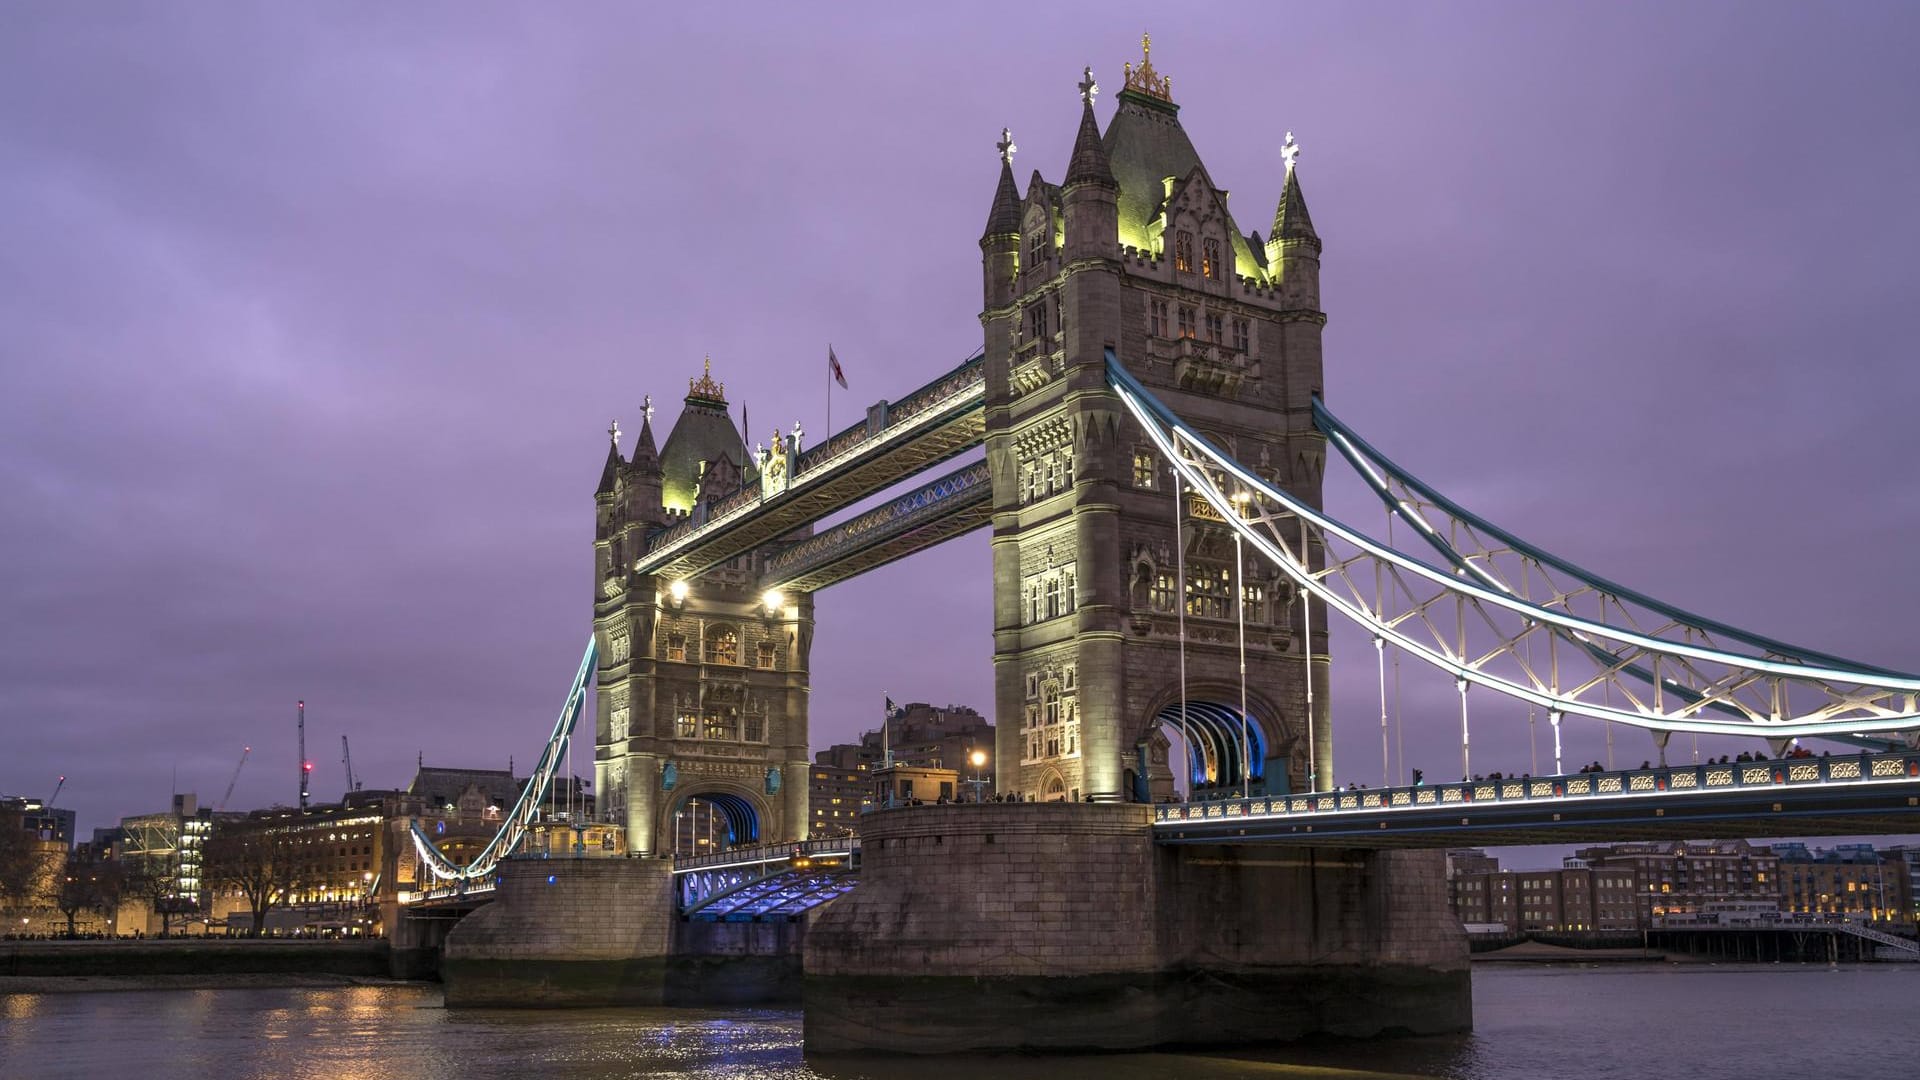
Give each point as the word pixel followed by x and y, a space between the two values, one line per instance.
pixel 346 758
pixel 235 778
pixel 56 790
pixel 306 767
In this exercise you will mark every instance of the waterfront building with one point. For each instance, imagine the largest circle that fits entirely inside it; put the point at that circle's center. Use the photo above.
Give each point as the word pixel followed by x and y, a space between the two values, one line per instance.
pixel 1910 858
pixel 918 734
pixel 1573 897
pixel 1464 865
pixel 1847 880
pixel 165 849
pixel 1677 878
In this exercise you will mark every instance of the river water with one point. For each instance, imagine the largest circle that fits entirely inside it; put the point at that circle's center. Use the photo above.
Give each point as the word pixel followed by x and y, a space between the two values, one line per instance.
pixel 1684 1020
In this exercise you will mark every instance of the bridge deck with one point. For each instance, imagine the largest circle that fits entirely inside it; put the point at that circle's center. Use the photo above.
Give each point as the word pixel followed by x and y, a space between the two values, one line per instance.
pixel 1831 796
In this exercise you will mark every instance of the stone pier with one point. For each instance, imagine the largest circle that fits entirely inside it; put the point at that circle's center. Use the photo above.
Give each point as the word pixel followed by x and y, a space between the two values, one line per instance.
pixel 1061 926
pixel 593 932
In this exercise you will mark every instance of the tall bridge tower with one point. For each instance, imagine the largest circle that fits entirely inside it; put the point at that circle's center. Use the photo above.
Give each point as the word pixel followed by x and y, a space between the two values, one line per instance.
pixel 1136 251
pixel 700 734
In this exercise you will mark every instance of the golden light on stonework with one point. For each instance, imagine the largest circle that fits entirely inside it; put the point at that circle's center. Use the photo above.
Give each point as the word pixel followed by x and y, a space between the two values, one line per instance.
pixel 678 590
pixel 774 601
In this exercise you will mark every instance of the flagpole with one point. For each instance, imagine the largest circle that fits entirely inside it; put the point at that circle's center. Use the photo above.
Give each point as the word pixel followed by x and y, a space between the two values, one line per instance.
pixel 829 397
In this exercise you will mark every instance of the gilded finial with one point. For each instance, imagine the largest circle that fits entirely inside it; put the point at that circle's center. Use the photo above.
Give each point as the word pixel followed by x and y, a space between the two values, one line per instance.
pixel 704 387
pixel 1144 79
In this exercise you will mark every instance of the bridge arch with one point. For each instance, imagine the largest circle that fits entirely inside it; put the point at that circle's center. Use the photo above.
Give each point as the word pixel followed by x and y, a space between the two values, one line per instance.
pixel 706 817
pixel 1209 749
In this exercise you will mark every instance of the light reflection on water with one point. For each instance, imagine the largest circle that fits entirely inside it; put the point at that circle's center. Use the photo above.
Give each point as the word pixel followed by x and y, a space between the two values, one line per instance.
pixel 1705 1021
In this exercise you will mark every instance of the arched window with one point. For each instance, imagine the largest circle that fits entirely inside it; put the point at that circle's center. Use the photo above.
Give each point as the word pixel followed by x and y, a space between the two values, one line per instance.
pixel 1056 788
pixel 1210 258
pixel 723 645
pixel 1183 251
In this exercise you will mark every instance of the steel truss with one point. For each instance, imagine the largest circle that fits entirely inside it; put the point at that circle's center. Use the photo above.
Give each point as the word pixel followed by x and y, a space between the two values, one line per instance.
pixel 526 809
pixel 1498 613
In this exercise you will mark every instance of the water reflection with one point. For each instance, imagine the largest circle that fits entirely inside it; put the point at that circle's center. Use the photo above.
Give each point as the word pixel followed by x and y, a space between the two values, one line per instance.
pixel 1695 1020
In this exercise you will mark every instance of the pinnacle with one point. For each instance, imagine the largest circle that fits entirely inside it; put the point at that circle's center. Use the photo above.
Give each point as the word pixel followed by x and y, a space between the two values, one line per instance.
pixel 1089 163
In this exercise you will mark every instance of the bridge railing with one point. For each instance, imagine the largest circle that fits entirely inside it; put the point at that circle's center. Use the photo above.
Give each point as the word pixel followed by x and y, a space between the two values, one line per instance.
pixel 767 853
pixel 1710 777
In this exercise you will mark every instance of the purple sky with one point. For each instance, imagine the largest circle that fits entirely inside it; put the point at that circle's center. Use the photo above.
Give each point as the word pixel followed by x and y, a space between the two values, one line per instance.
pixel 311 321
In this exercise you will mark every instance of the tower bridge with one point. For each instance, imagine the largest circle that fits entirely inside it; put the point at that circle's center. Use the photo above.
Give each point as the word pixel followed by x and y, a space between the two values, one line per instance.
pixel 1150 400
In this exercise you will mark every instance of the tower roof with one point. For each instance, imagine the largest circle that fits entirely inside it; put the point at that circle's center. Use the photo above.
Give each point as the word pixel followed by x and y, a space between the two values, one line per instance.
pixel 1089 162
pixel 1145 145
pixel 704 433
pixel 1004 217
pixel 610 473
pixel 1290 219
pixel 644 452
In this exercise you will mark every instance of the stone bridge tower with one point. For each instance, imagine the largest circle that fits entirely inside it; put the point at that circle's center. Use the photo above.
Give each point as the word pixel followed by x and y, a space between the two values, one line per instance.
pixel 702 683
pixel 1135 250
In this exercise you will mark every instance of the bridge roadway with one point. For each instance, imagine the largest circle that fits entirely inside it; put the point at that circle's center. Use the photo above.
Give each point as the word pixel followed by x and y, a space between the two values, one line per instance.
pixel 944 418
pixel 1808 796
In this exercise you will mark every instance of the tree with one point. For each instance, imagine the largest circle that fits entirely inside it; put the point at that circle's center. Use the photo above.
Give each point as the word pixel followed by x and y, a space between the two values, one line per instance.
pixel 154 880
pixel 85 885
pixel 264 866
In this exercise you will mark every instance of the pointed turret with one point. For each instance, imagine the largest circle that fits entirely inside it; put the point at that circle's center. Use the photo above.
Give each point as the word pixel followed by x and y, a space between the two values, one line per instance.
pixel 645 455
pixel 1290 219
pixel 1089 163
pixel 1000 244
pixel 1004 218
pixel 610 473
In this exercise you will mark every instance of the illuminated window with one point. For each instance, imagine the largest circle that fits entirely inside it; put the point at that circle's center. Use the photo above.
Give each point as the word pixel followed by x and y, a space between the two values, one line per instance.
pixel 723 645
pixel 720 727
pixel 1210 258
pixel 1183 252
pixel 1143 470
pixel 676 646
pixel 687 727
pixel 1186 321
pixel 1209 593
pixel 1160 597
pixel 764 656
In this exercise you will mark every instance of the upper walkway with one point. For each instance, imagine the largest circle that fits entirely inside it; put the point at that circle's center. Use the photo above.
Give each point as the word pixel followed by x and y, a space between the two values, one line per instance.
pixel 897 440
pixel 1803 796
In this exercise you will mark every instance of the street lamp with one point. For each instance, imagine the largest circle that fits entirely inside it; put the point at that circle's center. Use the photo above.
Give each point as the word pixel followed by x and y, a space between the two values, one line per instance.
pixel 978 759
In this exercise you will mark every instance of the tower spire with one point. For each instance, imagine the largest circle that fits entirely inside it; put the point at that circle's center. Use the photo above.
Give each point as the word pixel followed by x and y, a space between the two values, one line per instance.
pixel 1089 162
pixel 643 449
pixel 1290 219
pixel 1004 218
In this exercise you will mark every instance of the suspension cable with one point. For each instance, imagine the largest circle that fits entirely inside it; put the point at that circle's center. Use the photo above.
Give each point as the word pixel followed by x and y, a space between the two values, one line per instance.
pixel 1240 618
pixel 1466 762
pixel 1386 766
pixel 1306 640
pixel 1180 606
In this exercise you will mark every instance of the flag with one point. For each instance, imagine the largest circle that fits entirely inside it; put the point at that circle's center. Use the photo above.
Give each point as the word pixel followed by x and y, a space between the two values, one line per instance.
pixel 833 365
pixel 894 711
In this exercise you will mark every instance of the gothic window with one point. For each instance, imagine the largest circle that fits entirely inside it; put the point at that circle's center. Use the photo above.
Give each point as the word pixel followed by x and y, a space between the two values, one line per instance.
pixel 1033 685
pixel 676 646
pixel 1066 591
pixel 1214 328
pixel 1186 321
pixel 1066 677
pixel 1254 595
pixel 1210 258
pixel 1161 597
pixel 1038 245
pixel 1157 318
pixel 1037 320
pixel 687 727
pixel 1242 338
pixel 723 645
pixel 1143 470
pixel 1209 592
pixel 720 726
pixel 1053 597
pixel 764 656
pixel 1183 251
pixel 756 729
